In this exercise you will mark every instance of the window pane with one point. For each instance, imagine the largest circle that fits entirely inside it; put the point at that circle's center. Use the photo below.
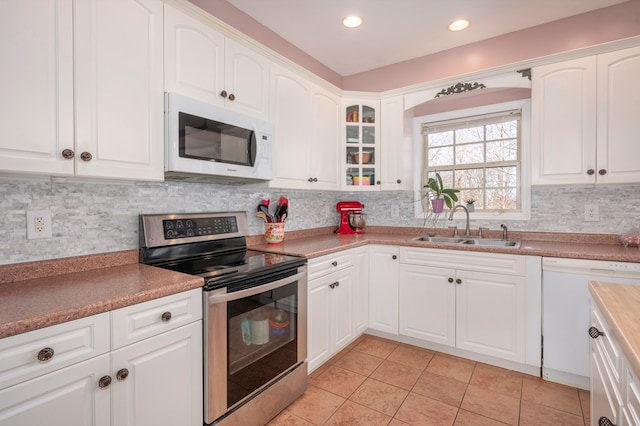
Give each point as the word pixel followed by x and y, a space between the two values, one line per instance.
pixel 499 177
pixel 447 178
pixel 505 130
pixel 470 154
pixel 502 150
pixel 441 156
pixel 476 194
pixel 501 199
pixel 472 134
pixel 471 178
pixel 441 139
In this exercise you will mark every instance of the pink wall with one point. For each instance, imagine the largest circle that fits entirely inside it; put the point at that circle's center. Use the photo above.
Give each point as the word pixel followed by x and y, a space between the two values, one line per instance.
pixel 588 29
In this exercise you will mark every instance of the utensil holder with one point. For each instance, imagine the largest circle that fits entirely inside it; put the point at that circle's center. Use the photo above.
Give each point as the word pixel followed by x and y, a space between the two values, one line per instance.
pixel 274 232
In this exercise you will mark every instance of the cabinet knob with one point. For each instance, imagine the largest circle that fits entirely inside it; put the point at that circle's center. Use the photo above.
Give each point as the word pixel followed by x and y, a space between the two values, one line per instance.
pixel 398 180
pixel 312 179
pixel 591 172
pixel 450 279
pixel 334 285
pixel 104 382
pixel 122 374
pixel 603 421
pixel 334 263
pixel 166 316
pixel 223 93
pixel 45 355
pixel 602 172
pixel 458 281
pixel 595 333
pixel 394 257
pixel 377 182
pixel 232 97
pixel 68 154
pixel 86 156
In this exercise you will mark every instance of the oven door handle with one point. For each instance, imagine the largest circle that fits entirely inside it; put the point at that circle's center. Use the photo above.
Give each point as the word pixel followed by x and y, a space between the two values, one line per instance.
pixel 227 297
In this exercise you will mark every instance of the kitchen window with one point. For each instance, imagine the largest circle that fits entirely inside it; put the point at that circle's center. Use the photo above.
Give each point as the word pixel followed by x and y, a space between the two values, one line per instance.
pixel 481 152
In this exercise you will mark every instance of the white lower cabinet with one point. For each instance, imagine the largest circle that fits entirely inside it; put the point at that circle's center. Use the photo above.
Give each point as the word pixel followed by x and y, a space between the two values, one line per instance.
pixel 383 288
pixel 335 303
pixel 157 380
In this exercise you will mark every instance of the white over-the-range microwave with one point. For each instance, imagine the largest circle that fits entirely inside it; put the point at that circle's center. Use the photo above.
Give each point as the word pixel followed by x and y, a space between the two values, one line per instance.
pixel 204 142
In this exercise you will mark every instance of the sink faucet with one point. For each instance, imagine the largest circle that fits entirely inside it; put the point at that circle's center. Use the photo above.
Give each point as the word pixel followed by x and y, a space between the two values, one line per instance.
pixel 505 236
pixel 467 229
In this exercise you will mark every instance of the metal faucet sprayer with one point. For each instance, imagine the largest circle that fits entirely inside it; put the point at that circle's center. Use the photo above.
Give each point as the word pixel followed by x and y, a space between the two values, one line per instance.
pixel 467 230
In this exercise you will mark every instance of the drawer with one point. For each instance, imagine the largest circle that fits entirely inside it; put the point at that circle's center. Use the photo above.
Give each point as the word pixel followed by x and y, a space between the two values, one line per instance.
pixel 496 263
pixel 324 265
pixel 138 322
pixel 608 346
pixel 70 342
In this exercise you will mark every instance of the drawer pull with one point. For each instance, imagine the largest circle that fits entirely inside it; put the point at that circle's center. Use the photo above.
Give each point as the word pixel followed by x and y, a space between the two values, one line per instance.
pixel 166 316
pixel 334 285
pixel 603 421
pixel 122 374
pixel 595 333
pixel 334 263
pixel 45 354
pixel 104 382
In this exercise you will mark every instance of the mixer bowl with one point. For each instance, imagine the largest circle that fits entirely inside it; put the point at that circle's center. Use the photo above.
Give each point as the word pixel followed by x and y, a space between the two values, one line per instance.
pixel 357 221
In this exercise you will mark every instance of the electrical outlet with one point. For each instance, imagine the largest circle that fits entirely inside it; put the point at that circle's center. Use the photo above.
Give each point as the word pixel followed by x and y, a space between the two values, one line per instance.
pixel 591 213
pixel 38 224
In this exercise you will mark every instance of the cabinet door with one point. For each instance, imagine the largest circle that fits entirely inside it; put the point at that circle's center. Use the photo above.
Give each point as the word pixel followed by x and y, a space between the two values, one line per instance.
pixel 194 54
pixel 341 308
pixel 490 312
pixel 163 385
pixel 605 396
pixel 36 106
pixel 392 143
pixel 361 290
pixel 119 92
pixel 428 303
pixel 69 397
pixel 383 289
pixel 563 122
pixel 322 155
pixel 290 111
pixel 246 80
pixel 618 112
pixel 318 327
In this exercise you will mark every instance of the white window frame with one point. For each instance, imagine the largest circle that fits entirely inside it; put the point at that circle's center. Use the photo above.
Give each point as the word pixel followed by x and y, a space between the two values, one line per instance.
pixel 525 157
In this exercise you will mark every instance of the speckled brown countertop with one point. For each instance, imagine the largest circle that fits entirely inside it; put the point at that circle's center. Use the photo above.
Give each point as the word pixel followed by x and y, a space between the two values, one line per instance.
pixel 578 246
pixel 620 305
pixel 39 294
pixel 41 301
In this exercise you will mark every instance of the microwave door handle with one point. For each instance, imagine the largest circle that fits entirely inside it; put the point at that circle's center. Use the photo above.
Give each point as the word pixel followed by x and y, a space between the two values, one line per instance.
pixel 226 297
pixel 252 147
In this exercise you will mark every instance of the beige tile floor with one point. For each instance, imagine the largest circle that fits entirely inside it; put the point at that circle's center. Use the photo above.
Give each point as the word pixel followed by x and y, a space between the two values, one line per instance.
pixel 376 381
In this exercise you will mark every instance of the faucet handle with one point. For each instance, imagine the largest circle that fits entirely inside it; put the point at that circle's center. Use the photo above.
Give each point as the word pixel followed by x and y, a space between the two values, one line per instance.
pixel 455 230
pixel 480 229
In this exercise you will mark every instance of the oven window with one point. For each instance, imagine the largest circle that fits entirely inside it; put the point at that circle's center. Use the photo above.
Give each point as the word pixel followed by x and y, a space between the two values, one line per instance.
pixel 212 140
pixel 262 339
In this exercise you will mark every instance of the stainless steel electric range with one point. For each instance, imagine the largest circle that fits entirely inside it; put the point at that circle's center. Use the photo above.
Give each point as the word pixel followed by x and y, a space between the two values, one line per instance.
pixel 255 303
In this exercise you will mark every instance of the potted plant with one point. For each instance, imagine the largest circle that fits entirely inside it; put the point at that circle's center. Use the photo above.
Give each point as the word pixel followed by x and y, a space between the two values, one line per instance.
pixel 440 194
pixel 470 204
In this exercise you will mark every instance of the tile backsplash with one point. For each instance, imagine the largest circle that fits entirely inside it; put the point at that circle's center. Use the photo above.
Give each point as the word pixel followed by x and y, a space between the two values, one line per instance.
pixel 94 217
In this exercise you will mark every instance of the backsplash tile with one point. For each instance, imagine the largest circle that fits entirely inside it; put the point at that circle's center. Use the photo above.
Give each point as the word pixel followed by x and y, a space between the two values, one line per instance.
pixel 91 218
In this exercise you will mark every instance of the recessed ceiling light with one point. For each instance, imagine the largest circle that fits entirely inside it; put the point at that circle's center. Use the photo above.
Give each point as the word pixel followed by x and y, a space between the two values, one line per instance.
pixel 352 21
pixel 459 25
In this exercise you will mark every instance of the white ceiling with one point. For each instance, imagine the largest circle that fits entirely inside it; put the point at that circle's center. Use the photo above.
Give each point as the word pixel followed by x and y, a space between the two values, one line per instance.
pixel 398 30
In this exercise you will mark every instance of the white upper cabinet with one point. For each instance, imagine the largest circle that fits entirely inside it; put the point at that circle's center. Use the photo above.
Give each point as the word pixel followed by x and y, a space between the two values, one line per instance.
pixel 203 64
pixel 618 112
pixel 395 144
pixel 75 102
pixel 585 120
pixel 306 133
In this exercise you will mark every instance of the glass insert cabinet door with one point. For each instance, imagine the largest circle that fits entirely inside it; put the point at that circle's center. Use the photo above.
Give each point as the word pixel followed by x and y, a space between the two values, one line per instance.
pixel 361 149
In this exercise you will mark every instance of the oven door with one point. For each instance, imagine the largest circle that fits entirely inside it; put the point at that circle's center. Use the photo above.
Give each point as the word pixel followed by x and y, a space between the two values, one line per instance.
pixel 252 338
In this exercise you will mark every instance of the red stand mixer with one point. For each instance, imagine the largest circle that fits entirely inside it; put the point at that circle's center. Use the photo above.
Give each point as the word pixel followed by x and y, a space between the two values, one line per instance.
pixel 352 220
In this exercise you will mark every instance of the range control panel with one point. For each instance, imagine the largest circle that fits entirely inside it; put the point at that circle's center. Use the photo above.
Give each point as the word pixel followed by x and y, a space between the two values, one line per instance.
pixel 186 228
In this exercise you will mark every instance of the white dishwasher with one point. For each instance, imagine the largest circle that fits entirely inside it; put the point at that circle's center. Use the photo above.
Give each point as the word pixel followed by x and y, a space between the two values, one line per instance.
pixel 566 305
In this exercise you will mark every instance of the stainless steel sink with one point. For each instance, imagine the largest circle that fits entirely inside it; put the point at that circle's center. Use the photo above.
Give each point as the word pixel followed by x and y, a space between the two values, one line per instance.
pixel 442 240
pixel 467 240
pixel 494 243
